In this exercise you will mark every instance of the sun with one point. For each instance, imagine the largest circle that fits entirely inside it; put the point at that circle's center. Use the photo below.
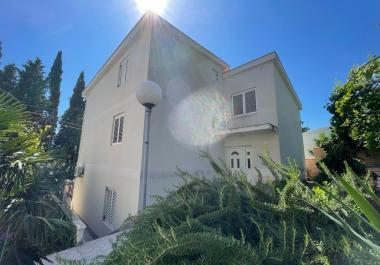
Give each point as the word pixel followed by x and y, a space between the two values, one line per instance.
pixel 157 6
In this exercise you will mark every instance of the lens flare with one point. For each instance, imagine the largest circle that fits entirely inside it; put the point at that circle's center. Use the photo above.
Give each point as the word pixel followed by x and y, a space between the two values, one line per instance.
pixel 157 6
pixel 194 120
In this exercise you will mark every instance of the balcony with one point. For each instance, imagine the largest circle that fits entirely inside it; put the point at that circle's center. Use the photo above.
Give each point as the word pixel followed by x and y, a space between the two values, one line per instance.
pixel 228 125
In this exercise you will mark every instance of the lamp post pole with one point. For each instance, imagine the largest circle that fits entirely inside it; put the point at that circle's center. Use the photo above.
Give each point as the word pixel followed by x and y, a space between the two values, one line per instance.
pixel 144 173
pixel 149 95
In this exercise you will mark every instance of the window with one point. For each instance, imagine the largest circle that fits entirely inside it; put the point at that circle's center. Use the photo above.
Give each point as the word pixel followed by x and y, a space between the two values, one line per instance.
pixel 235 158
pixel 237 102
pixel 244 103
pixel 250 101
pixel 216 74
pixel 109 205
pixel 123 71
pixel 118 127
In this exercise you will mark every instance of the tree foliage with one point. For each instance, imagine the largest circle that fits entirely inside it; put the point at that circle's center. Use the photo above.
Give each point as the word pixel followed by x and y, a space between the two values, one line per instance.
pixel 31 224
pixel 355 108
pixel 9 78
pixel 68 137
pixel 54 85
pixel 31 87
pixel 355 121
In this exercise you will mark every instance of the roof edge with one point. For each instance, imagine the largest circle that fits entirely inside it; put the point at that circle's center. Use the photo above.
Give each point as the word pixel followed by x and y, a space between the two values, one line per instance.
pixel 114 54
pixel 197 45
pixel 272 56
pixel 147 14
pixel 287 81
pixel 250 64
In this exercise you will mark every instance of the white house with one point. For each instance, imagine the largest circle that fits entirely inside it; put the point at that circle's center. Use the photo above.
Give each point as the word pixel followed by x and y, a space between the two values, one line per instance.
pixel 235 114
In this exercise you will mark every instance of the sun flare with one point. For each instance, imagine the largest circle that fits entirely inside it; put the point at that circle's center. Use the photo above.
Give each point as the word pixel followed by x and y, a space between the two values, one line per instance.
pixel 157 6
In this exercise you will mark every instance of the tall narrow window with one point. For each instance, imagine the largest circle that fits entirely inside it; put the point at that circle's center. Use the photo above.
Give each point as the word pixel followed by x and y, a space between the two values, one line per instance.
pixel 123 72
pixel 120 75
pixel 216 74
pixel 109 205
pixel 237 102
pixel 118 128
pixel 250 101
pixel 126 70
pixel 235 160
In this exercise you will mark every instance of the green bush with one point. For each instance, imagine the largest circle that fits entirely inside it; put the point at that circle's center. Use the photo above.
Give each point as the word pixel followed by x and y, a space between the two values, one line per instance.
pixel 227 220
pixel 31 224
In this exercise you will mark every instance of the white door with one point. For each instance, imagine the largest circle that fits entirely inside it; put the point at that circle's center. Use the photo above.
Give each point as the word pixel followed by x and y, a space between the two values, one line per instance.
pixel 236 158
pixel 241 158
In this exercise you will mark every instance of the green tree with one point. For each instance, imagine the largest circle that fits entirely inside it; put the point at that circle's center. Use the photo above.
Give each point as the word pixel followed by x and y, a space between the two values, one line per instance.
pixel 54 85
pixel 31 224
pixel 1 50
pixel 68 137
pixel 31 88
pixel 355 108
pixel 9 78
pixel 355 121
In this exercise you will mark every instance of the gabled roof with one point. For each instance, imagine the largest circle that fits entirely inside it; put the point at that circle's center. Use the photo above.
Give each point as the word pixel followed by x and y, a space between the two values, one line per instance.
pixel 153 18
pixel 115 54
pixel 192 42
pixel 150 17
pixel 264 59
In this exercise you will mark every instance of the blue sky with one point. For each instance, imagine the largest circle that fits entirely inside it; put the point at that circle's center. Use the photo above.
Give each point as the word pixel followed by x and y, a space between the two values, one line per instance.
pixel 318 41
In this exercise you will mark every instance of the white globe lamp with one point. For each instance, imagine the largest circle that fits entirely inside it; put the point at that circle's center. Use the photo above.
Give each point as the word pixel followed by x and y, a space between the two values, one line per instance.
pixel 149 94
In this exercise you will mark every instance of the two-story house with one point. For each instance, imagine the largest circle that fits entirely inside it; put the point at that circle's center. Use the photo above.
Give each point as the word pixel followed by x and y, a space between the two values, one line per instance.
pixel 235 114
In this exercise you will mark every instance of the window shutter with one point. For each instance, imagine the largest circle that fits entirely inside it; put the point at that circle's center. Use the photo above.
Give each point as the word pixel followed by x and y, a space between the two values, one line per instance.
pixel 109 205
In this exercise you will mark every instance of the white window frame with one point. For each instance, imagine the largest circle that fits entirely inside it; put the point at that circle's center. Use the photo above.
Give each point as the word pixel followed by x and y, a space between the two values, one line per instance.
pixel 216 73
pixel 123 72
pixel 110 197
pixel 117 117
pixel 244 108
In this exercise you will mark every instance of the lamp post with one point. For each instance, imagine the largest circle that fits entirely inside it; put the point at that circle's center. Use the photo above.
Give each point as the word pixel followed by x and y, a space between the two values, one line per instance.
pixel 149 95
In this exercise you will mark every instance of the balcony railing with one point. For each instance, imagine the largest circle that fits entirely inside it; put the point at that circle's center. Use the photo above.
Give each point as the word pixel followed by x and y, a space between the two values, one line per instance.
pixel 229 125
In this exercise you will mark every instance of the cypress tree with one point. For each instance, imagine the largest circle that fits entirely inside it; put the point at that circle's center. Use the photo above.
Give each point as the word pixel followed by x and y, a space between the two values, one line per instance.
pixel 54 85
pixel 31 87
pixel 8 78
pixel 8 75
pixel 68 137
pixel 1 51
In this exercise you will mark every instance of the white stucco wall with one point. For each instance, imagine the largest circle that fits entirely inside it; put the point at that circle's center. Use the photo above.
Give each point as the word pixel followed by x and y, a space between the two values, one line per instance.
pixel 259 78
pixel 289 122
pixel 309 139
pixel 195 92
pixel 261 143
pixel 106 165
pixel 181 123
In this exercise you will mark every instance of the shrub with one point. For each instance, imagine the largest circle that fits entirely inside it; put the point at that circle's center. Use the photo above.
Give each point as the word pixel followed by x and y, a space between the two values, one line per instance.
pixel 31 224
pixel 227 220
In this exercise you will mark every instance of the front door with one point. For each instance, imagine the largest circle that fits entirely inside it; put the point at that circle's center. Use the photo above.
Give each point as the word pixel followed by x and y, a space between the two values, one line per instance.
pixel 241 159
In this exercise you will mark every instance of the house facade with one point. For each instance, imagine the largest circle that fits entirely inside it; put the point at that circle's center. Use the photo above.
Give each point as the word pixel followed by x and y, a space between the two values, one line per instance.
pixel 234 114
